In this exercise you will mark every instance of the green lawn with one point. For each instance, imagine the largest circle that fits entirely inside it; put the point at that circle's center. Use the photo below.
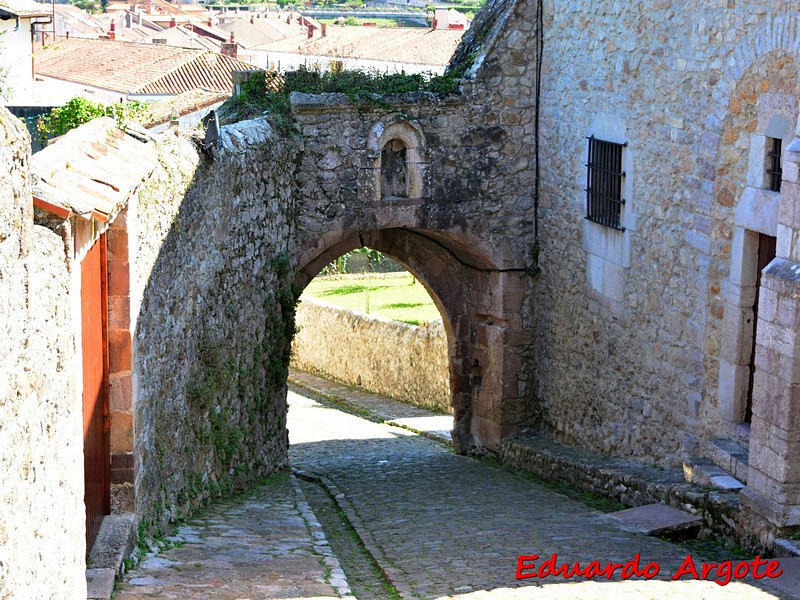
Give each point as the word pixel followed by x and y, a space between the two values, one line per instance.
pixel 392 296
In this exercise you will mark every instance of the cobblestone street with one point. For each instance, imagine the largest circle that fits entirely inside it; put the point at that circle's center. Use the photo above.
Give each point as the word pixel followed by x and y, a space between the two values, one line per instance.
pixel 438 525
pixel 447 525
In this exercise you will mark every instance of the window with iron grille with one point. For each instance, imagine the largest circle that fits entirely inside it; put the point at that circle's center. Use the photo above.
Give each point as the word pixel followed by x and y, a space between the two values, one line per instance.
pixel 604 176
pixel 774 170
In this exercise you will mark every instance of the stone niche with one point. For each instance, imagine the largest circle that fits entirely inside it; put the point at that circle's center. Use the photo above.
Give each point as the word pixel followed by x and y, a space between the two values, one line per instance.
pixel 399 155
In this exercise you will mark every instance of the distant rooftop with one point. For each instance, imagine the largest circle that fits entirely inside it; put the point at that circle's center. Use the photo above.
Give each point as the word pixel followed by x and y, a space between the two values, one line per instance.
pixel 25 8
pixel 133 68
pixel 406 44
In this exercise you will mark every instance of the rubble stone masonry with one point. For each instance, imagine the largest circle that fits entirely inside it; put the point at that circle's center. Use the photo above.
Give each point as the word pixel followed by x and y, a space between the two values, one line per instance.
pixel 631 356
pixel 211 294
pixel 42 541
pixel 388 357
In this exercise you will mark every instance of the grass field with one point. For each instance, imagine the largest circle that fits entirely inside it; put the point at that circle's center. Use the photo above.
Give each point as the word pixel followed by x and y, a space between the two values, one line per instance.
pixel 398 297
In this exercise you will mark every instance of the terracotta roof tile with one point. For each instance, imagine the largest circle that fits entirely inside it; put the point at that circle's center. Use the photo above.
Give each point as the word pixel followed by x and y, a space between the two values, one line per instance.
pixel 134 68
pixel 91 170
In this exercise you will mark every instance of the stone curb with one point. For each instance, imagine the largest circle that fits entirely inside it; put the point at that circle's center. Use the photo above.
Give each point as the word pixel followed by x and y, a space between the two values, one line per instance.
pixel 338 579
pixel 391 573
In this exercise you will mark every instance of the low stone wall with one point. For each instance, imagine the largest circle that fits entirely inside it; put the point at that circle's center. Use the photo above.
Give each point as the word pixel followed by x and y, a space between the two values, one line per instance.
pixel 386 357
pixel 42 542
pixel 624 481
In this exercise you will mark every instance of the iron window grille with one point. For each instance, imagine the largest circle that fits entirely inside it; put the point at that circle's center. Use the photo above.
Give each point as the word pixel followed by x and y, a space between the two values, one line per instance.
pixel 604 177
pixel 774 170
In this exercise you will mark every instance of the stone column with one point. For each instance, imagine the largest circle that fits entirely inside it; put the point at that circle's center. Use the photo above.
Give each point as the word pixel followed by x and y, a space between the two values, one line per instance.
pixel 771 500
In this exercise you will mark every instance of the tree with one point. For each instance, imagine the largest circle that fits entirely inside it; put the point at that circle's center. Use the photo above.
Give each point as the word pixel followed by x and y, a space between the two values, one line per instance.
pixel 80 110
pixel 92 6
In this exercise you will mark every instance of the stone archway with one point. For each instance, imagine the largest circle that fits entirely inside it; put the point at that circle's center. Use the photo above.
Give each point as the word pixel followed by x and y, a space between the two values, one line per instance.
pixel 480 306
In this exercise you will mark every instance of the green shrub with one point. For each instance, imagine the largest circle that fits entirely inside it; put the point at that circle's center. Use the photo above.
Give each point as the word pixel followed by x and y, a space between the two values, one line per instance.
pixel 80 110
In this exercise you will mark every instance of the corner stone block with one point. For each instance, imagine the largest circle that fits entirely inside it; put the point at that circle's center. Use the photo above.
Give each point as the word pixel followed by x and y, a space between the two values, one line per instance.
pixel 119 350
pixel 120 386
pixel 121 431
pixel 776 402
pixel 119 281
pixel 737 331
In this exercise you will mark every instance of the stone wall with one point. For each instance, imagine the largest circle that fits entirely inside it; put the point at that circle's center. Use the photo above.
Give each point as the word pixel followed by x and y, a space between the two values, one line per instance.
pixel 211 288
pixel 42 542
pixel 630 328
pixel 387 357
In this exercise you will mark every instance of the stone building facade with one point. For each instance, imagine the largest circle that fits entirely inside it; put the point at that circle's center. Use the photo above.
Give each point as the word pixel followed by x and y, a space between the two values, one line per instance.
pixel 646 347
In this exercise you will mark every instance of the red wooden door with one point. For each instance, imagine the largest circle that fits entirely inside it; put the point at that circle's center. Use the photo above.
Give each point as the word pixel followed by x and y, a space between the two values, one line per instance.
pixel 94 326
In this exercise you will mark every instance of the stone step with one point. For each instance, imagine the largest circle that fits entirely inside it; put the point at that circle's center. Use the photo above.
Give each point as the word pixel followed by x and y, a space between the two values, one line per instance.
pixel 787 548
pixel 657 519
pixel 729 456
pixel 704 472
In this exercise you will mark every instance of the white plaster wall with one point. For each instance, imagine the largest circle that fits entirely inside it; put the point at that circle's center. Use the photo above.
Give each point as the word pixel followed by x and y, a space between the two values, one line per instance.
pixel 17 58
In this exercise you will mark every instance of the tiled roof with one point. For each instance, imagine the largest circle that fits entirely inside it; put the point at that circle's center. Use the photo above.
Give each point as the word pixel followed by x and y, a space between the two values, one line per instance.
pixel 25 8
pixel 133 68
pixel 397 44
pixel 91 171
pixel 262 30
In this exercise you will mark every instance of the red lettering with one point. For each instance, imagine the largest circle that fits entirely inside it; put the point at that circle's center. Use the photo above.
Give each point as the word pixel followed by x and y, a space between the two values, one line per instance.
pixel 651 570
pixel 771 566
pixel 631 568
pixel 687 566
pixel 526 563
pixel 576 570
pixel 741 574
pixel 707 567
pixel 593 570
pixel 724 571
pixel 612 568
pixel 548 567
pixel 759 562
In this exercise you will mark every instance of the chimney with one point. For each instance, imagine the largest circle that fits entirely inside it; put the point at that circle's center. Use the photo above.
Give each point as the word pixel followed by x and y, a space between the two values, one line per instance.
pixel 252 20
pixel 324 29
pixel 67 33
pixel 172 22
pixel 229 48
pixel 310 32
pixel 113 26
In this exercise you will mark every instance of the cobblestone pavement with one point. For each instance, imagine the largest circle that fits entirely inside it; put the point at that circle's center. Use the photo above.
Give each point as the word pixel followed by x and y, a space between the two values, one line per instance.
pixel 265 544
pixel 443 525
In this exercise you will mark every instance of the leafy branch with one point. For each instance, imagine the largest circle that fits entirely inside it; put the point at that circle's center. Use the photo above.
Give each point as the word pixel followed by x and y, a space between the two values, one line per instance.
pixel 80 110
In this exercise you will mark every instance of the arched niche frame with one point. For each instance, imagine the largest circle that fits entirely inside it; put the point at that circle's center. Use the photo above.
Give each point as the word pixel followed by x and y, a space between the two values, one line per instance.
pixel 398 154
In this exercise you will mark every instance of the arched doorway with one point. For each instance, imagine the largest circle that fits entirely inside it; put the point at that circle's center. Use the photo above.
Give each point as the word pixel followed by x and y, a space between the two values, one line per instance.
pixel 481 311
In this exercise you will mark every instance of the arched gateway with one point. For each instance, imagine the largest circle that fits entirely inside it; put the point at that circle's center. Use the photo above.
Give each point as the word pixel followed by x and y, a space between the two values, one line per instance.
pixel 480 306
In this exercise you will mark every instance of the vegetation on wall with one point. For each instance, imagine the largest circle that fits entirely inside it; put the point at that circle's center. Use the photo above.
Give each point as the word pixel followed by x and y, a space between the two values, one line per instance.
pixel 269 91
pixel 80 110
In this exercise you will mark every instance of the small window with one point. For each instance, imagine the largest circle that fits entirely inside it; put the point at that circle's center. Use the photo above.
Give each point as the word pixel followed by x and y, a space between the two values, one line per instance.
pixel 774 170
pixel 604 176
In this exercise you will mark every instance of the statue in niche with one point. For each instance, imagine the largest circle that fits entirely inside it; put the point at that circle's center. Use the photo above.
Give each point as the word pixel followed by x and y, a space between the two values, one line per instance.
pixel 394 179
